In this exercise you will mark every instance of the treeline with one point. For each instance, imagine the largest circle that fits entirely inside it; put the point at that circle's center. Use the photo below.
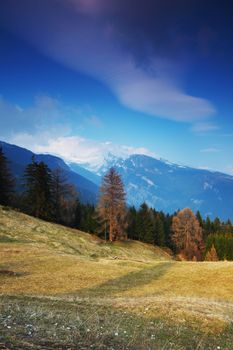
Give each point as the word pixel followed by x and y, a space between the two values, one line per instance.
pixel 149 226
pixel 47 195
pixel 219 246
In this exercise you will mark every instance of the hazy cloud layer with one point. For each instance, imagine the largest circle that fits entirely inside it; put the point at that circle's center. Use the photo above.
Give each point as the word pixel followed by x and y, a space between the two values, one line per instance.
pixel 43 113
pixel 95 37
pixel 46 127
pixel 74 148
pixel 204 127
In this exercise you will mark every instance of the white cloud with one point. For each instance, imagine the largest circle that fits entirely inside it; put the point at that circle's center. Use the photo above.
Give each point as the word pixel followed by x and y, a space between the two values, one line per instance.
pixel 88 46
pixel 76 148
pixel 46 126
pixel 229 170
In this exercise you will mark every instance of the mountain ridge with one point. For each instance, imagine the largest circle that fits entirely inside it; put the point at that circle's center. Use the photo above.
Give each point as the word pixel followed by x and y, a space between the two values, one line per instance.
pixel 163 185
pixel 168 186
pixel 19 157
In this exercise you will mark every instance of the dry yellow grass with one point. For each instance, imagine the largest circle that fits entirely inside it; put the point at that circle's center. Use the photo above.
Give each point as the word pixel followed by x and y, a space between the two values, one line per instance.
pixel 78 270
pixel 20 228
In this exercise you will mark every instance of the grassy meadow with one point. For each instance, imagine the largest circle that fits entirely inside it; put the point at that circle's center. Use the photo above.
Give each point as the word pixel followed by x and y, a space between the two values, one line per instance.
pixel 65 289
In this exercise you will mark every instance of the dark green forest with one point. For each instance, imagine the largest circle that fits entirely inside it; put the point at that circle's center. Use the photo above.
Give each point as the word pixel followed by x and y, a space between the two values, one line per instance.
pixel 47 195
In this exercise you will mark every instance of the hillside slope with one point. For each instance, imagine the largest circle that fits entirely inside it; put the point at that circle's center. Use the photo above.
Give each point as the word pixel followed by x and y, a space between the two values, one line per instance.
pixel 19 158
pixel 65 289
pixel 22 229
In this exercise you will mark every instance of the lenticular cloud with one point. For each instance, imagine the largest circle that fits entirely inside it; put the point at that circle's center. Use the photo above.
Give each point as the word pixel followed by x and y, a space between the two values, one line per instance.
pixel 69 34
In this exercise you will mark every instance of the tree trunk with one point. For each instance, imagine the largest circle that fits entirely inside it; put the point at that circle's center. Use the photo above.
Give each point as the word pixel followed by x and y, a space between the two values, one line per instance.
pixel 110 231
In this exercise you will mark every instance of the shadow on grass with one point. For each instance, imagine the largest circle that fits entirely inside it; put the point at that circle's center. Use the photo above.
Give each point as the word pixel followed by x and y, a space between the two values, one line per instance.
pixel 61 325
pixel 130 281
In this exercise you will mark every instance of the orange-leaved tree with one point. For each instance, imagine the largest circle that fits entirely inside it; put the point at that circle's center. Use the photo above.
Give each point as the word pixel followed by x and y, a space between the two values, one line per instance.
pixel 187 234
pixel 111 207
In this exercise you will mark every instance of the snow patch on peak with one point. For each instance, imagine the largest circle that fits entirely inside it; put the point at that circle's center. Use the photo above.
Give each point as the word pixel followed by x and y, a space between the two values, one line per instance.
pixel 207 186
pixel 132 185
pixel 151 183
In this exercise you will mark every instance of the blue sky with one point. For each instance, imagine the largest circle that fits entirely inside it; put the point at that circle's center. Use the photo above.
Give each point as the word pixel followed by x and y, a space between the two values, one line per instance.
pixel 79 78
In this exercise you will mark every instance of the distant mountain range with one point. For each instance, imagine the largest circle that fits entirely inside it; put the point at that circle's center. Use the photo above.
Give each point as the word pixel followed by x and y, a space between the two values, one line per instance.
pixel 161 184
pixel 19 158
pixel 167 186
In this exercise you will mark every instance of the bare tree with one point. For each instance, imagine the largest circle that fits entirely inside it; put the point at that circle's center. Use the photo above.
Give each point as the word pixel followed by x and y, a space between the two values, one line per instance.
pixel 111 207
pixel 187 234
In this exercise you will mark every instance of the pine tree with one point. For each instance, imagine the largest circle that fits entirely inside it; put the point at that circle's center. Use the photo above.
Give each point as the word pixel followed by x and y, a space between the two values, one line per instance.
pixel 159 236
pixel 78 215
pixel 167 222
pixel 199 218
pixel 64 197
pixel 227 227
pixel 145 224
pixel 38 190
pixel 216 225
pixel 6 181
pixel 207 227
pixel 111 207
pixel 132 219
pixel 187 234
pixel 212 254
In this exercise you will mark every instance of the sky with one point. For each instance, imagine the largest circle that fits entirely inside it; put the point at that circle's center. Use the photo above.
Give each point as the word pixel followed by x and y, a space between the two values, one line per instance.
pixel 81 78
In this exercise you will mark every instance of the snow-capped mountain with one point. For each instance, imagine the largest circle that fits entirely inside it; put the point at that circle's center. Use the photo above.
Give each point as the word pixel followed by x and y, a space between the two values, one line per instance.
pixel 167 186
pixel 163 185
pixel 100 167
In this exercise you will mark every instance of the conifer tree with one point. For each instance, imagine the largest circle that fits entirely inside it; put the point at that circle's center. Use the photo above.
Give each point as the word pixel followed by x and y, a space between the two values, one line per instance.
pixel 207 227
pixel 132 229
pixel 88 220
pixel 187 234
pixel 38 190
pixel 227 227
pixel 159 237
pixel 6 181
pixel 145 224
pixel 111 207
pixel 216 225
pixel 223 243
pixel 167 222
pixel 63 196
pixel 199 218
pixel 78 215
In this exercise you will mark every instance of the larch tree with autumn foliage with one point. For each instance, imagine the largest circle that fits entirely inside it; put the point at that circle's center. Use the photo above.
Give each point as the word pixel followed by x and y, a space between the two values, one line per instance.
pixel 187 235
pixel 111 207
